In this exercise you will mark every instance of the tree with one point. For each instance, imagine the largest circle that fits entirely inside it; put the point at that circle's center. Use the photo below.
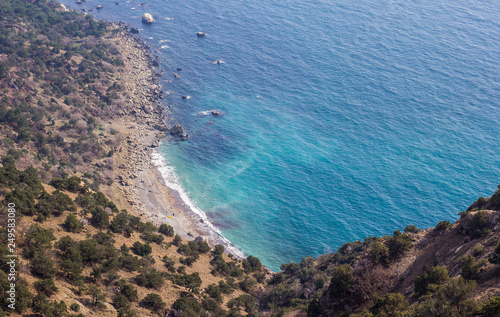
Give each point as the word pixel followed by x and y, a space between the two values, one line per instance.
pixel 391 305
pixel 42 266
pixel 435 275
pixel 166 230
pixel 100 218
pixel 96 294
pixel 379 253
pixel 142 249
pixel 46 287
pixel 398 243
pixel 72 224
pixel 456 293
pixel 341 282
pixel 153 302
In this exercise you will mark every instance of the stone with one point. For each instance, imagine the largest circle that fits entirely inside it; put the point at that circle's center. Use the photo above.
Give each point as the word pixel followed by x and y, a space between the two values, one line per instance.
pixel 147 18
pixel 134 30
pixel 177 131
pixel 200 34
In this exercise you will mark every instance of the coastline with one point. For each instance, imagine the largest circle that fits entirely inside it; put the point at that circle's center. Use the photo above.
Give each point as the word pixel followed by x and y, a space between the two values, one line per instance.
pixel 143 179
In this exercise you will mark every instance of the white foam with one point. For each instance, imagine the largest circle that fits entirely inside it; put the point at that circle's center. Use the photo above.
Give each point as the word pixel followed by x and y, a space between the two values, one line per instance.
pixel 163 41
pixel 172 182
pixel 164 46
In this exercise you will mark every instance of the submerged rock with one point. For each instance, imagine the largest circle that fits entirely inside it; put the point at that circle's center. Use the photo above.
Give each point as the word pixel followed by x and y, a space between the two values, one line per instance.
pixel 147 18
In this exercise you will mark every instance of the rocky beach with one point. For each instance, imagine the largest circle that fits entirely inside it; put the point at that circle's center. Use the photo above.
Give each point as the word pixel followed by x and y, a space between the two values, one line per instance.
pixel 139 182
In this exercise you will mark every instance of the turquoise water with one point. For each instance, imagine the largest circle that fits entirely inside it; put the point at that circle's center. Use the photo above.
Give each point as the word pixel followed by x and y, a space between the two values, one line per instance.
pixel 341 119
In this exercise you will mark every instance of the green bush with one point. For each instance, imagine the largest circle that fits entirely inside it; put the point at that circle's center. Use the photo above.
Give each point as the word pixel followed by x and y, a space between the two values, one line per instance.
pixel 72 224
pixel 46 287
pixel 391 305
pixel 150 279
pixel 42 266
pixel 435 275
pixel 379 253
pixel 153 302
pixel 100 218
pixel 479 225
pixel 412 229
pixel 398 244
pixel 341 282
pixel 142 249
pixel 166 230
pixel 251 264
pixel 75 307
pixel 442 225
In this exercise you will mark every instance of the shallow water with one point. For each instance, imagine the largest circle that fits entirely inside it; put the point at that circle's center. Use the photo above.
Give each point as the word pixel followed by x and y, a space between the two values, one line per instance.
pixel 341 119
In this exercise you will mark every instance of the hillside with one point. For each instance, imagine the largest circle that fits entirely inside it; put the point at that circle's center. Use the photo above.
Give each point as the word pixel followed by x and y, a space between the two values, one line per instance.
pixel 82 206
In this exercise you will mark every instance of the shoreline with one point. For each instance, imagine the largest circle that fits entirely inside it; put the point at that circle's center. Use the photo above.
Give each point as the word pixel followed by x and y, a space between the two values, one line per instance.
pixel 143 173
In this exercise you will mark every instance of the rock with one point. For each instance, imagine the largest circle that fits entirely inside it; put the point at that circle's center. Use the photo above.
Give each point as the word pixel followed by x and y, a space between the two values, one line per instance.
pixel 200 34
pixel 134 30
pixel 147 18
pixel 99 7
pixel 177 131
pixel 215 113
pixel 63 7
pixel 155 63
pixel 198 238
pixel 185 97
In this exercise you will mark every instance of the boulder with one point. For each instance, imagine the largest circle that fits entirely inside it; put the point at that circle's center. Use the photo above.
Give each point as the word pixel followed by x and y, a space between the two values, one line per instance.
pixel 177 131
pixel 147 18
pixel 200 34
pixel 134 30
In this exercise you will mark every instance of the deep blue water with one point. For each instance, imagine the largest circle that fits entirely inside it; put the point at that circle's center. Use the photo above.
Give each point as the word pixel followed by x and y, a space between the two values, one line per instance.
pixel 341 119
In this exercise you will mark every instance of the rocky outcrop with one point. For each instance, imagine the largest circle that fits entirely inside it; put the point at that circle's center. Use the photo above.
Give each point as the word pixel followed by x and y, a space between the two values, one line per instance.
pixel 178 132
pixel 147 18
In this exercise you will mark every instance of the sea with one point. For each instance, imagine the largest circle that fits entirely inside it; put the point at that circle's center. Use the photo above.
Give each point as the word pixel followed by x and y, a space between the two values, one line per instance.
pixel 340 120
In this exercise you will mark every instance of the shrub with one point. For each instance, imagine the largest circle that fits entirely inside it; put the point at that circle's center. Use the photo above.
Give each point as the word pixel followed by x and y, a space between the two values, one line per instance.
pixel 46 287
pixel 471 268
pixel 398 243
pixel 442 225
pixel 150 279
pixel 391 305
pixel 218 249
pixel 75 307
pixel 187 306
pixel 411 229
pixel 166 230
pixel 479 225
pixel 379 253
pixel 248 284
pixel 341 282
pixel 214 292
pixel 100 218
pixel 42 266
pixel 435 275
pixel 190 281
pixel 72 224
pixel 142 249
pixel 251 264
pixel 177 240
pixel 153 302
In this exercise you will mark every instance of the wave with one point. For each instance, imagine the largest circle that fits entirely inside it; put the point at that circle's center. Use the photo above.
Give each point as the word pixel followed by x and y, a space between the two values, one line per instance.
pixel 172 182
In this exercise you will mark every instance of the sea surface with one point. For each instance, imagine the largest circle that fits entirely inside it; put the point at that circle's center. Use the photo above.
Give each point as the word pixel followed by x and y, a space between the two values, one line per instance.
pixel 340 119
